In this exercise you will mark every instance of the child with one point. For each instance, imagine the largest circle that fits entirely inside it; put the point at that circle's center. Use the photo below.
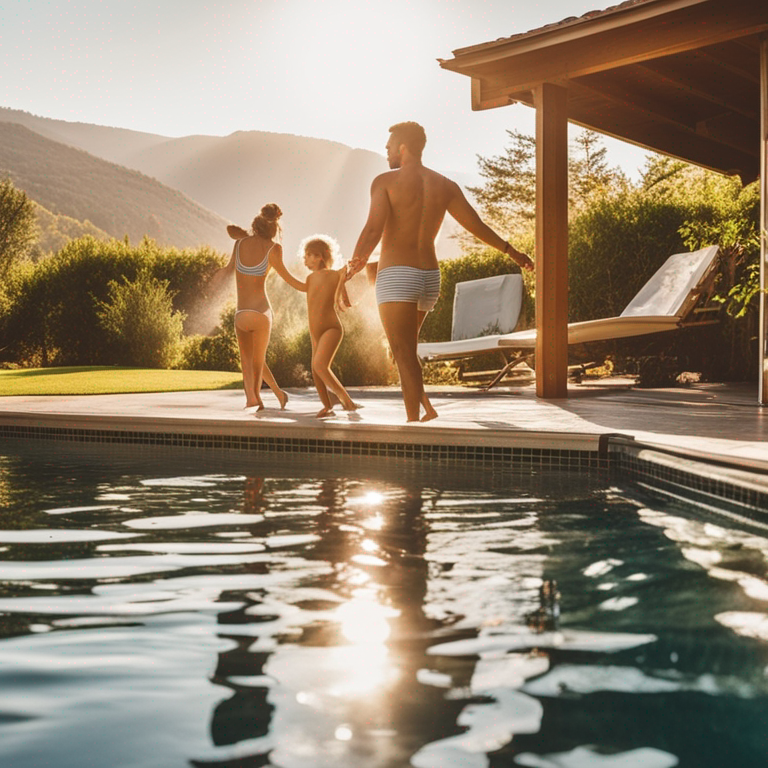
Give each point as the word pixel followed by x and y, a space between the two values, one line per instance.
pixel 325 288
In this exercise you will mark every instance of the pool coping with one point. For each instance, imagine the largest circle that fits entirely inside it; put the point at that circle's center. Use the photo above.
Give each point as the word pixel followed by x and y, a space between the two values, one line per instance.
pixel 475 433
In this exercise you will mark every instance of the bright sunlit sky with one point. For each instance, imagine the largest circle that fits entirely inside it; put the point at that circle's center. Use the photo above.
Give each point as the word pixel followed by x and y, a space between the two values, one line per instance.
pixel 343 70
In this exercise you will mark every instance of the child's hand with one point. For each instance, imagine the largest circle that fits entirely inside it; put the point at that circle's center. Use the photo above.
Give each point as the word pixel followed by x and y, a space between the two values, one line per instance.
pixel 342 298
pixel 235 232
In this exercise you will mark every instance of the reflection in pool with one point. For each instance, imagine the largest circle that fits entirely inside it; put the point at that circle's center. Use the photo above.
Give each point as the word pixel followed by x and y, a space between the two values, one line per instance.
pixel 158 610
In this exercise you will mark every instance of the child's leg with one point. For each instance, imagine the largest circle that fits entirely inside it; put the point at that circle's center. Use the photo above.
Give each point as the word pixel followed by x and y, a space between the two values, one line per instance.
pixel 325 351
pixel 322 390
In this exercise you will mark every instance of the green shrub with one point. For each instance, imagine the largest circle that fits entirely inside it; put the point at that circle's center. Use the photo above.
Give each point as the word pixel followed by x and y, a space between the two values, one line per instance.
pixel 53 318
pixel 139 319
pixel 215 352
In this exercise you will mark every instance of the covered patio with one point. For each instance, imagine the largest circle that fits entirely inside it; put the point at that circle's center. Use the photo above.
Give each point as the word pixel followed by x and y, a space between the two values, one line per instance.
pixel 685 78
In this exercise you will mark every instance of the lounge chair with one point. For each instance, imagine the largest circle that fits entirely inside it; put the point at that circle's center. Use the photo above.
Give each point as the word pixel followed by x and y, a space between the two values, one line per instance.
pixel 484 310
pixel 666 302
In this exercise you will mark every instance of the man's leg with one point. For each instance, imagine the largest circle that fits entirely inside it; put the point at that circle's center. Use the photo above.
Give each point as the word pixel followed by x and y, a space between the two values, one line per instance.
pixel 430 412
pixel 401 324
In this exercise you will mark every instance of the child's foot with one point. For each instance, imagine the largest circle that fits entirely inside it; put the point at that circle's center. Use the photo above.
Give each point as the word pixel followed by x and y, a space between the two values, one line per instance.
pixel 283 398
pixel 325 412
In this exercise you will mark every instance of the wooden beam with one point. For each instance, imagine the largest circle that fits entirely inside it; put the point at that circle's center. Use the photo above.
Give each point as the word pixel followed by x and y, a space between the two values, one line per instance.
pixel 734 94
pixel 763 330
pixel 527 60
pixel 551 241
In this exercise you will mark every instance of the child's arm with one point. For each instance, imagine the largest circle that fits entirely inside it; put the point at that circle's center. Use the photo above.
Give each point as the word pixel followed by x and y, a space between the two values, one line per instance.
pixel 276 260
pixel 341 298
pixel 235 232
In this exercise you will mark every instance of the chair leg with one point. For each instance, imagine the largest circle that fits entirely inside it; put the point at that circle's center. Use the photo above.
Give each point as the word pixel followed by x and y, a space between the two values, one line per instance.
pixel 515 361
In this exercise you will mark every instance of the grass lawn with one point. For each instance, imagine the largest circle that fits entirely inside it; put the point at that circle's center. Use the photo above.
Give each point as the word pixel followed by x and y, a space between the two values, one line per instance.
pixel 111 381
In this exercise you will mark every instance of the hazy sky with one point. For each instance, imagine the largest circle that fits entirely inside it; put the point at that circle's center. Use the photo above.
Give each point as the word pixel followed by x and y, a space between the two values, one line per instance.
pixel 338 69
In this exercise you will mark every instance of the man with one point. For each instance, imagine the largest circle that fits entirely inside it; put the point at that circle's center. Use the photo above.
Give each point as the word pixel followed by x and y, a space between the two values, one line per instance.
pixel 408 205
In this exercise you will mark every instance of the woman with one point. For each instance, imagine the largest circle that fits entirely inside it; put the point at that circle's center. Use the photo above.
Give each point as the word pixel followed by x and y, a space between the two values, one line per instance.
pixel 252 256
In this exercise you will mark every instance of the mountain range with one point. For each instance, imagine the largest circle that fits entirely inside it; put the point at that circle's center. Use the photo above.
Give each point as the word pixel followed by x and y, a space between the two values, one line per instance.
pixel 183 191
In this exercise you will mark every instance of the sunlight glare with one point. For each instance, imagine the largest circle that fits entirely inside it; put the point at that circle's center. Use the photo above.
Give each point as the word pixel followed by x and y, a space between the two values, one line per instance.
pixel 363 621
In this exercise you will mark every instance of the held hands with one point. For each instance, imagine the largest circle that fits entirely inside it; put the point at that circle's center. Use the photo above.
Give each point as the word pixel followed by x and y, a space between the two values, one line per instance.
pixel 341 299
pixel 354 266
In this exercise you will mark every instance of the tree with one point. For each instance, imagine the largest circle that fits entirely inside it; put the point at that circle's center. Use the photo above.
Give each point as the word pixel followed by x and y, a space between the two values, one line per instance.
pixel 17 225
pixel 508 197
pixel 588 171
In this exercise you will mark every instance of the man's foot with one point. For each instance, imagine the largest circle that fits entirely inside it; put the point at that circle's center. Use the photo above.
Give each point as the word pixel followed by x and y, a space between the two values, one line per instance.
pixel 283 398
pixel 325 412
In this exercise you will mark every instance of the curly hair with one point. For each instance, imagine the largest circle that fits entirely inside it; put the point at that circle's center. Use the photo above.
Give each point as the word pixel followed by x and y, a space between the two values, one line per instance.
pixel 265 224
pixel 412 135
pixel 323 245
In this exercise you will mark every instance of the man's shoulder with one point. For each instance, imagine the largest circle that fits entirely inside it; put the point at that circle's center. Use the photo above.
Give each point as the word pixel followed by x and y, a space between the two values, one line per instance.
pixel 386 178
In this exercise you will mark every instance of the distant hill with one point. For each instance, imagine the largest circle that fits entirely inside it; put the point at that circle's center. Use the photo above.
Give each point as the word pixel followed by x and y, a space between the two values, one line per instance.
pixel 322 186
pixel 74 183
pixel 56 230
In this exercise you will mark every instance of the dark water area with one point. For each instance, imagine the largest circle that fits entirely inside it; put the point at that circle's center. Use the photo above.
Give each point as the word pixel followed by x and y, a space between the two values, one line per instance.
pixel 177 609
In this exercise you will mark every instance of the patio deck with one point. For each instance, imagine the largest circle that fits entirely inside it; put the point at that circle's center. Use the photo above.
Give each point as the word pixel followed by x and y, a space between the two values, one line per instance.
pixel 721 422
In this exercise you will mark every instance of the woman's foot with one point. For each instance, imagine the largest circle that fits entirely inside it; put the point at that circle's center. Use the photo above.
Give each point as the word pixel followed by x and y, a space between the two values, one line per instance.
pixel 351 406
pixel 430 414
pixel 325 412
pixel 283 398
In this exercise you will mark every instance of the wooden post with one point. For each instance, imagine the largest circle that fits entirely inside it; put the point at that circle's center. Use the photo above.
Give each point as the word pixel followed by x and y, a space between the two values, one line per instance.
pixel 551 241
pixel 762 396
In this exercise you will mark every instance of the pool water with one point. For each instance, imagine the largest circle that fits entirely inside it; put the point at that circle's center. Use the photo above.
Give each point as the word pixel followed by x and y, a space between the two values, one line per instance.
pixel 167 609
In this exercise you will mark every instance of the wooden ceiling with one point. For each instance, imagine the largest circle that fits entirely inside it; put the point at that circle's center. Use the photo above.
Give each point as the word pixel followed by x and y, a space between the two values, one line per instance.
pixel 680 77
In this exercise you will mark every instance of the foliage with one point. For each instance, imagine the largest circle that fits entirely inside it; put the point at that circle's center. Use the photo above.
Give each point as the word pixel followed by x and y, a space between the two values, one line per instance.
pixel 217 352
pixel 55 301
pixel 140 320
pixel 17 226
pixel 508 197
pixel 589 175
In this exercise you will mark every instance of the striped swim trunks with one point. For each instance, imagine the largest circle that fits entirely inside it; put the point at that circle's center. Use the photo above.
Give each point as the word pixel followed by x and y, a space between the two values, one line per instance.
pixel 409 284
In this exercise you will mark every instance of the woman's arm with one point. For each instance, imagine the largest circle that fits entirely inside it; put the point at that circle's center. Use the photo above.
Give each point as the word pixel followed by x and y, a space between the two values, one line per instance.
pixel 276 261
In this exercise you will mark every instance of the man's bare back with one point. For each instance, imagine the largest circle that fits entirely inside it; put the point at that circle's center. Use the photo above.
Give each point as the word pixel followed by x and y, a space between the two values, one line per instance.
pixel 408 205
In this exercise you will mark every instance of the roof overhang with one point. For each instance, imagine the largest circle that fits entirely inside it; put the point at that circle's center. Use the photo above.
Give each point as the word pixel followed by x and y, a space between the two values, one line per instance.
pixel 680 77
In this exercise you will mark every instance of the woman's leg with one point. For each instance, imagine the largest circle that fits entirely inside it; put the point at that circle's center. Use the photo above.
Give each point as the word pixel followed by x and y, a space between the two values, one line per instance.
pixel 280 394
pixel 324 351
pixel 253 329
pixel 245 343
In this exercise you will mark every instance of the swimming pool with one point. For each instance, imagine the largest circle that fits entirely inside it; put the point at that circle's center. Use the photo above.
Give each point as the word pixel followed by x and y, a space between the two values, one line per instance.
pixel 161 608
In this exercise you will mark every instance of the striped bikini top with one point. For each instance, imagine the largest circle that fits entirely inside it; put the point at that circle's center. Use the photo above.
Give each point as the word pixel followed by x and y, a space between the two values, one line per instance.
pixel 259 270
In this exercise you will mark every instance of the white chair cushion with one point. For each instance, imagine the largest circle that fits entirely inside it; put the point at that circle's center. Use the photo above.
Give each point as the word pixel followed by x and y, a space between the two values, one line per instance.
pixel 485 306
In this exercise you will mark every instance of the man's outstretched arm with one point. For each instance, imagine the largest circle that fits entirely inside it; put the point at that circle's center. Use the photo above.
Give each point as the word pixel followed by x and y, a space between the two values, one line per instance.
pixel 373 229
pixel 468 217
